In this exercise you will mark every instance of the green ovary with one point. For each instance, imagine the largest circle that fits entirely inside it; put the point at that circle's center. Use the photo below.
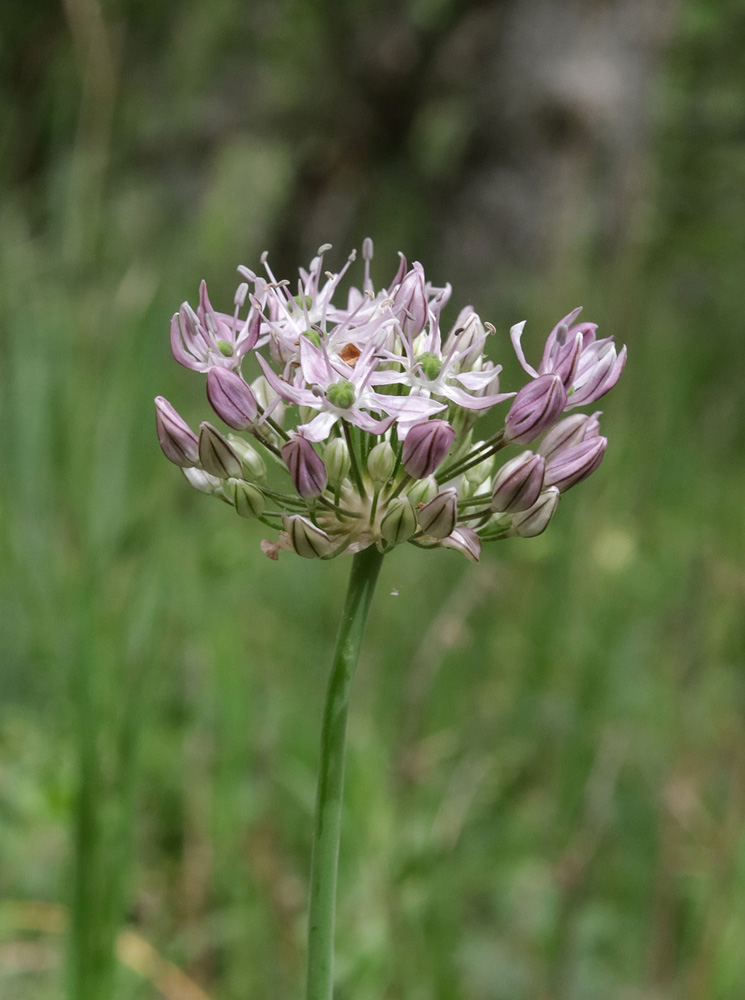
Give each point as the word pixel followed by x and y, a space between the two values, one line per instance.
pixel 430 364
pixel 341 394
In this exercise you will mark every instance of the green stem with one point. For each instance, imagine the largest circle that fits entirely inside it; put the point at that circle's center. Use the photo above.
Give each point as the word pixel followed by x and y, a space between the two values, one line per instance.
pixel 325 858
pixel 355 470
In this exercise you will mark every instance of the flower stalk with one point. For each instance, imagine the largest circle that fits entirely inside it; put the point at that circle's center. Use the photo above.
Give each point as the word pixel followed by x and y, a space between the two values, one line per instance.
pixel 327 827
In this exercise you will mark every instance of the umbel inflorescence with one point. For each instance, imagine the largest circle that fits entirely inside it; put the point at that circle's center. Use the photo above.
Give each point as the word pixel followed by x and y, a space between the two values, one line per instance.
pixel 369 413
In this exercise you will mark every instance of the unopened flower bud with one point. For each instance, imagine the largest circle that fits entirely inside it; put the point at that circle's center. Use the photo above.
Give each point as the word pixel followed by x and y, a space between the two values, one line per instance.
pixel 216 454
pixel 410 302
pixel 478 474
pixel 305 538
pixel 569 431
pixel 337 461
pixel 265 396
pixel 518 483
pixel 177 440
pixel 399 522
pixel 536 406
pixel 464 540
pixel 231 398
pixel 534 521
pixel 203 481
pixel 439 516
pixel 248 500
pixel 422 491
pixel 380 462
pixel 426 445
pixel 571 465
pixel 306 468
pixel 253 464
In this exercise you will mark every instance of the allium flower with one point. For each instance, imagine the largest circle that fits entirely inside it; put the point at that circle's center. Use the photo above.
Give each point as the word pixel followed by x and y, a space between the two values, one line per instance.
pixel 365 414
pixel 588 368
pixel 203 339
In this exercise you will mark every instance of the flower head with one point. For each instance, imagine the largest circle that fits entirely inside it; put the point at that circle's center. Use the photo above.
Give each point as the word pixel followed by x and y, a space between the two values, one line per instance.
pixel 364 413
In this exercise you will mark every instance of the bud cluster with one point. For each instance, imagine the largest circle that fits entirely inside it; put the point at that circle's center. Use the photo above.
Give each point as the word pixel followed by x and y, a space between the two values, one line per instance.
pixel 365 413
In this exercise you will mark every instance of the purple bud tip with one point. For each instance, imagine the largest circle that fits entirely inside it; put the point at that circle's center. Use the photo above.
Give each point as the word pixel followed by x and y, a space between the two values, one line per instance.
pixel 518 484
pixel 536 406
pixel 426 445
pixel 438 517
pixel 571 465
pixel 306 468
pixel 231 398
pixel 177 440
pixel 217 455
pixel 410 302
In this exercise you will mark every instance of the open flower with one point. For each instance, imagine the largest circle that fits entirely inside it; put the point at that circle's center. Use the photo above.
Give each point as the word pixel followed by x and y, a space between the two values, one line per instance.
pixel 587 367
pixel 203 339
pixel 340 391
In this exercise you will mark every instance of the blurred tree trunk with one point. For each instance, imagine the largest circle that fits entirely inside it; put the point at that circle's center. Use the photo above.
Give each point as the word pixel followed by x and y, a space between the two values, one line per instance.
pixel 496 136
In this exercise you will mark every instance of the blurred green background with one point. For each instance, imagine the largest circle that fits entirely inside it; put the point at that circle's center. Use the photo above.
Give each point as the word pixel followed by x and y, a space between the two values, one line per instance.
pixel 546 773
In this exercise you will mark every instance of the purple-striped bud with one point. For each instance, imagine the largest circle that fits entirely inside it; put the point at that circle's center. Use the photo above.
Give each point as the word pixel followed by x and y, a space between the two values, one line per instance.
pixel 422 491
pixel 569 431
pixel 518 483
pixel 438 517
pixel 217 455
pixel 534 521
pixel 536 406
pixel 426 445
pixel 247 499
pixel 306 468
pixel 231 398
pixel 177 440
pixel 464 540
pixel 410 302
pixel 570 466
pixel 305 538
pixel 399 522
